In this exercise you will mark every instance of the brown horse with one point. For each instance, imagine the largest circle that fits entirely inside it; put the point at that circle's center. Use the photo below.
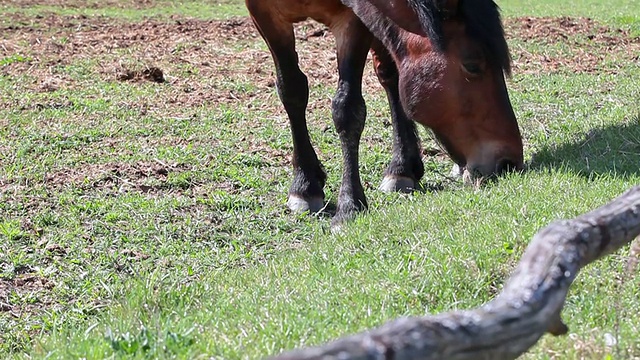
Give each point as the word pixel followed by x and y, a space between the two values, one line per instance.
pixel 441 62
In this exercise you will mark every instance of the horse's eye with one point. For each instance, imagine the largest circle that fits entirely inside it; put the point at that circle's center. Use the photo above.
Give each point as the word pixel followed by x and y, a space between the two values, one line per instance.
pixel 473 68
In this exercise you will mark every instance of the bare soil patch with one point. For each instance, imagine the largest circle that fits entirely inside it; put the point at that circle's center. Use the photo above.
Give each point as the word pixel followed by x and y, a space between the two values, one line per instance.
pixel 201 60
pixel 83 4
pixel 143 176
pixel 552 29
pixel 204 60
pixel 25 285
pixel 589 44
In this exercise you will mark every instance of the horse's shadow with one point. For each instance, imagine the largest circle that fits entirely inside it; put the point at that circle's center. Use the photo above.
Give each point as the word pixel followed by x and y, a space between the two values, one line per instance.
pixel 613 149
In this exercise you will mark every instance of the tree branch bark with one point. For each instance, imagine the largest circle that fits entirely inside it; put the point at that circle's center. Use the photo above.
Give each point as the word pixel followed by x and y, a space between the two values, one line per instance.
pixel 528 306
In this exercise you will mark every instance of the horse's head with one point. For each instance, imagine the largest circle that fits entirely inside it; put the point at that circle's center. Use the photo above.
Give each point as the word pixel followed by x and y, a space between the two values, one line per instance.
pixel 452 59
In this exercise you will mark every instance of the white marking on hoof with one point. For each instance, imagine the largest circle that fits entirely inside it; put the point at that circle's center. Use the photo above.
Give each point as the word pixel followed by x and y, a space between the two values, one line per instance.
pixel 299 205
pixel 393 183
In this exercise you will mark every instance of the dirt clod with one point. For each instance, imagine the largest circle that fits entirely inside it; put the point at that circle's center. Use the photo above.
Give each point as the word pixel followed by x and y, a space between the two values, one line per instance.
pixel 56 249
pixel 134 255
pixel 152 74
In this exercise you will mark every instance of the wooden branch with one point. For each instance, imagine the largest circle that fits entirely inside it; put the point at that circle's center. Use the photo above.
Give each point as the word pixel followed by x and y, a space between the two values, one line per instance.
pixel 528 306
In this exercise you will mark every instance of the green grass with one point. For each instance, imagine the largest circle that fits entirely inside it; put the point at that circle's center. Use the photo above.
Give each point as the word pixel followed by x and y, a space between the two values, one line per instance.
pixel 135 223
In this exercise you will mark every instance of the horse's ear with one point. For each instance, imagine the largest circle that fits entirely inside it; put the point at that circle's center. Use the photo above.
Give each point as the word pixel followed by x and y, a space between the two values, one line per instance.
pixel 401 13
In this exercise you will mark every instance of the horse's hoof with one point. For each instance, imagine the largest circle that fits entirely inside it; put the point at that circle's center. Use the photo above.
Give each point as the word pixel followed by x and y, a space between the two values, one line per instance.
pixel 299 205
pixel 396 183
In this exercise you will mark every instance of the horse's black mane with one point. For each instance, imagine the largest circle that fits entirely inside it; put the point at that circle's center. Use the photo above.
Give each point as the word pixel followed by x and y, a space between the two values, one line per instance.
pixel 483 23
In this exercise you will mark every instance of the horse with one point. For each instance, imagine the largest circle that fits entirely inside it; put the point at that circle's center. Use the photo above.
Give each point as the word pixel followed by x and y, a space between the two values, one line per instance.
pixel 442 63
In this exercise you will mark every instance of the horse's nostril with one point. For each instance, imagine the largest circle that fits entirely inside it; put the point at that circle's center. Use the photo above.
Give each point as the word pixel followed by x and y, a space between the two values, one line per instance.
pixel 505 165
pixel 476 172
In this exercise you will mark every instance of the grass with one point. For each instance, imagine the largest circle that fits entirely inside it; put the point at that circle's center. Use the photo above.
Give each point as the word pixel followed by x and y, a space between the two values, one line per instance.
pixel 144 220
pixel 128 10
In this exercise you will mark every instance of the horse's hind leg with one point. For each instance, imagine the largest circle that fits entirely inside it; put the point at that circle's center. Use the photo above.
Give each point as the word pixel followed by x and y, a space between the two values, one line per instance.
pixel 406 168
pixel 305 192
pixel 349 111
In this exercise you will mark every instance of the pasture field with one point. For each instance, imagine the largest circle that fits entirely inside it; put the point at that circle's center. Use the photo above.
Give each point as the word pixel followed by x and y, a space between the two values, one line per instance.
pixel 145 160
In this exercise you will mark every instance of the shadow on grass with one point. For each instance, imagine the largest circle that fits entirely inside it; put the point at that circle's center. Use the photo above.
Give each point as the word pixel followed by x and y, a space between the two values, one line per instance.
pixel 609 150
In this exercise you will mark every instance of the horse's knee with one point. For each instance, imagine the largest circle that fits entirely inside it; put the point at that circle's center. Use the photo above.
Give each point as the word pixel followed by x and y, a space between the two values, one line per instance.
pixel 349 111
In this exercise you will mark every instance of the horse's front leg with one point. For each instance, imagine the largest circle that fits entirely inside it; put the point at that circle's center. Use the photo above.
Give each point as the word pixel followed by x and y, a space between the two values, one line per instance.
pixel 349 112
pixel 305 193
pixel 406 167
